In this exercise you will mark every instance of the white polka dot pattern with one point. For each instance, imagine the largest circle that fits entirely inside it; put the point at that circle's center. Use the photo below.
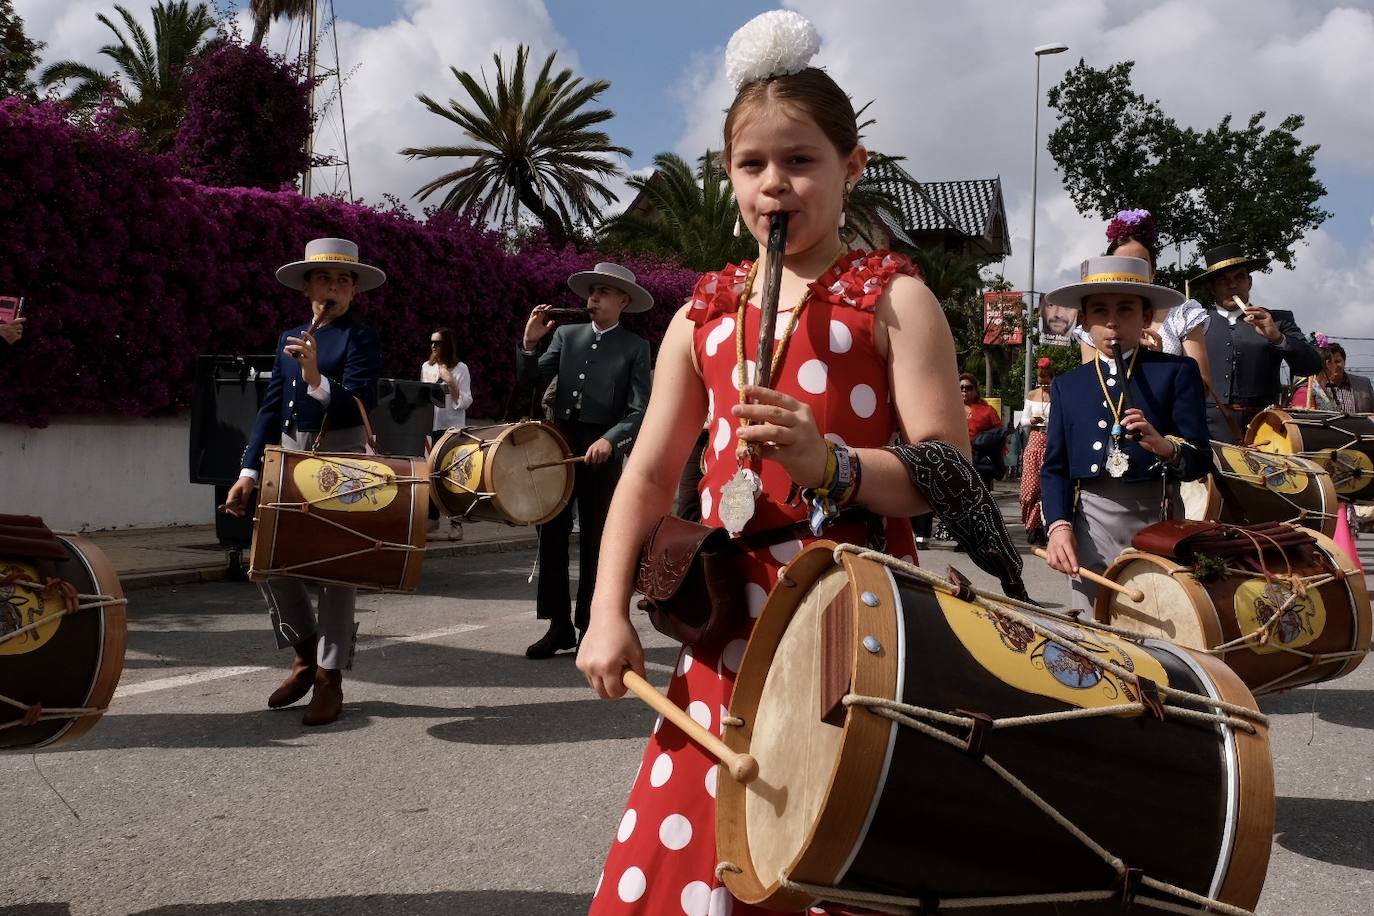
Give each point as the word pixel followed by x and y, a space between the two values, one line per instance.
pixel 733 654
pixel 812 376
pixel 755 595
pixel 864 400
pixel 707 504
pixel 719 334
pixel 751 370
pixel 841 338
pixel 632 884
pixel 722 437
pixel 721 903
pixel 675 832
pixel 712 775
pixel 661 771
pixel 684 661
pixel 700 713
pixel 785 551
pixel 627 825
pixel 696 899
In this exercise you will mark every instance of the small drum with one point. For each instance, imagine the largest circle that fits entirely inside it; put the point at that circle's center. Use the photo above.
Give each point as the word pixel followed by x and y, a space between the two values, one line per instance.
pixel 1250 487
pixel 915 748
pixel 341 519
pixel 1308 622
pixel 515 473
pixel 1342 443
pixel 62 636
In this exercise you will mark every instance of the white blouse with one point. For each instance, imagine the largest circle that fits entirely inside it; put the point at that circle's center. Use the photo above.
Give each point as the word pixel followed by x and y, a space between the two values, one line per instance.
pixel 454 413
pixel 1035 410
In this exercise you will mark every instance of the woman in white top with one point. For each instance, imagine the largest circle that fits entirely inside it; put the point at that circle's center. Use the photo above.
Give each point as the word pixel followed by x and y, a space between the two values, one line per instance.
pixel 1035 418
pixel 444 368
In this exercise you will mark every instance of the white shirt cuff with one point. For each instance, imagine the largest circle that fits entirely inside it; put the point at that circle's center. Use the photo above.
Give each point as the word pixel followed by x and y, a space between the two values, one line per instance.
pixel 249 472
pixel 320 392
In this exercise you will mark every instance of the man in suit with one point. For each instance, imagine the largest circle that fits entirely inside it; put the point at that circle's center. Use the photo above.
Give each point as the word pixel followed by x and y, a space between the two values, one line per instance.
pixel 1246 343
pixel 324 369
pixel 1351 393
pixel 602 371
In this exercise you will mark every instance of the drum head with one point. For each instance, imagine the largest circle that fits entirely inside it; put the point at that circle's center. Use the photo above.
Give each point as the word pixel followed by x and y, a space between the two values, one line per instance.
pixel 530 497
pixel 1175 608
pixel 795 751
pixel 1273 431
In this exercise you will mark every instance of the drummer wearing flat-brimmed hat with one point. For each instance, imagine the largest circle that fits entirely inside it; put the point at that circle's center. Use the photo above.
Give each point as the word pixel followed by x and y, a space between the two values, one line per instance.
pixel 1245 362
pixel 603 388
pixel 1125 426
pixel 324 367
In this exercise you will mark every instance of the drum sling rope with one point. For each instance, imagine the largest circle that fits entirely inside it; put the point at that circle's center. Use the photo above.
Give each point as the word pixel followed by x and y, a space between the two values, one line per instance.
pixel 73 602
pixel 1058 639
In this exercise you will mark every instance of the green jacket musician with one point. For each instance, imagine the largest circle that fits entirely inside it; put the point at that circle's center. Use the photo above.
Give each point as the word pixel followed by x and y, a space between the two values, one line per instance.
pixel 602 371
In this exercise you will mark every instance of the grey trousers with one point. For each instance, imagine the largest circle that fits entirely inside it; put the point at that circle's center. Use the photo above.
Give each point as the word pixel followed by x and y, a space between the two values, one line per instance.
pixel 288 601
pixel 1110 512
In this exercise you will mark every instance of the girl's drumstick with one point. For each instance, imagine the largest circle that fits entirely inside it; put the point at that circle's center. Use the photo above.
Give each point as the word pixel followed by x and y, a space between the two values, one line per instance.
pixel 742 767
pixel 553 464
pixel 1134 594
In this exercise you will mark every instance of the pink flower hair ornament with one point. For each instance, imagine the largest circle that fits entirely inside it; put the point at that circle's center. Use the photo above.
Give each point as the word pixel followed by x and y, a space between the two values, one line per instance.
pixel 1138 224
pixel 1323 340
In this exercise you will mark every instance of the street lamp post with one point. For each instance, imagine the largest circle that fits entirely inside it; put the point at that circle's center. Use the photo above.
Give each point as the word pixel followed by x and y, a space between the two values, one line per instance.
pixel 1035 176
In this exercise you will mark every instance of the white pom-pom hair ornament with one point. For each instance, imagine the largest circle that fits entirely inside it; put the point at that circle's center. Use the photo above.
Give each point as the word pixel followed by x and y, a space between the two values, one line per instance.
pixel 775 43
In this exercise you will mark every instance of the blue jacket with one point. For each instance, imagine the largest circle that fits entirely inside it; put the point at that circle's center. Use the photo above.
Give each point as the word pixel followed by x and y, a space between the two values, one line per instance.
pixel 1167 388
pixel 350 356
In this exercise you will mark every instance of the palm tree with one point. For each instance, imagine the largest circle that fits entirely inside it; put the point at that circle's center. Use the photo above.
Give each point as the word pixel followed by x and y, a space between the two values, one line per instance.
pixel 150 91
pixel 264 11
pixel 535 150
pixel 682 213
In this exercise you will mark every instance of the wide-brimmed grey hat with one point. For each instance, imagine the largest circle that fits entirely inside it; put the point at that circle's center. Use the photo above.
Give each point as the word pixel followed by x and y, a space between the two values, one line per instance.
pixel 331 253
pixel 612 275
pixel 1115 274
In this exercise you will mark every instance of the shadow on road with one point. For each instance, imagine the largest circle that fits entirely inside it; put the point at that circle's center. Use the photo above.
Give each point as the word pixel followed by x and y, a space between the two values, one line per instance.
pixel 544 723
pixel 489 903
pixel 39 909
pixel 1351 708
pixel 1327 829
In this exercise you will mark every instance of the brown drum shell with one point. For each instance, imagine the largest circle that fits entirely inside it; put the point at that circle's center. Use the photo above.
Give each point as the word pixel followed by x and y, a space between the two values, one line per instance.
pixel 1316 434
pixel 507 490
pixel 381 548
pixel 902 813
pixel 79 665
pixel 1203 615
pixel 1241 497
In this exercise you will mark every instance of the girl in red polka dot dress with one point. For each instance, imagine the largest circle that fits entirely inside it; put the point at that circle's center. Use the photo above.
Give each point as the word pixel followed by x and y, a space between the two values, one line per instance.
pixel 864 357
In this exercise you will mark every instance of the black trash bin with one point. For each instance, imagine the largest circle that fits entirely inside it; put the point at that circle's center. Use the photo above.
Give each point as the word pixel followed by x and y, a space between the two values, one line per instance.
pixel 224 403
pixel 405 415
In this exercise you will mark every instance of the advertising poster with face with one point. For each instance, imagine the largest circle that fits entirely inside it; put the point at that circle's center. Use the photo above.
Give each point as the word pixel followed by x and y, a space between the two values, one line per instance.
pixel 1002 324
pixel 1056 323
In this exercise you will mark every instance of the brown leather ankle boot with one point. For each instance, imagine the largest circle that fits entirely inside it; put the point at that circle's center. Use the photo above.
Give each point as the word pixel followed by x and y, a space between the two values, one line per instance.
pixel 327 701
pixel 302 676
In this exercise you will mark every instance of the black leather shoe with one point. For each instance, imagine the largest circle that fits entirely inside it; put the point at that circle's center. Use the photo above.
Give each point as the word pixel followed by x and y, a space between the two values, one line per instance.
pixel 556 640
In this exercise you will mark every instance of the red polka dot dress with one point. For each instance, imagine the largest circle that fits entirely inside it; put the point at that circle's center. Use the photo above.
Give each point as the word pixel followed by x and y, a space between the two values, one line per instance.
pixel 663 859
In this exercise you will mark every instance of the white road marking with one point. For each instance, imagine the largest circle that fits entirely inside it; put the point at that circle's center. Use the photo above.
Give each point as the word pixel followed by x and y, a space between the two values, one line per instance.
pixel 215 674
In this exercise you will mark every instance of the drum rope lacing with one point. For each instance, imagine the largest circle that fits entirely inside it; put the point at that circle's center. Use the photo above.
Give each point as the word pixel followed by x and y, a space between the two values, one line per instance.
pixel 1230 714
pixel 1259 481
pixel 73 602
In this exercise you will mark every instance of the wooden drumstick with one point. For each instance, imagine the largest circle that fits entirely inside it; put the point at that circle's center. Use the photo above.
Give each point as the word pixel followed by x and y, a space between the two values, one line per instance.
pixel 1134 594
pixel 553 464
pixel 743 767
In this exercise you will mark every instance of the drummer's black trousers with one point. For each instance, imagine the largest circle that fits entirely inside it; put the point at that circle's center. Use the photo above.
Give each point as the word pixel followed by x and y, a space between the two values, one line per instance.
pixel 592 490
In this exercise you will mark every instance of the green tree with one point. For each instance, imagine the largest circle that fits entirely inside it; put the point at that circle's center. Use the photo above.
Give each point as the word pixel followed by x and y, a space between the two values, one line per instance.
pixel 150 95
pixel 18 54
pixel 534 148
pixel 264 11
pixel 1118 150
pixel 690 215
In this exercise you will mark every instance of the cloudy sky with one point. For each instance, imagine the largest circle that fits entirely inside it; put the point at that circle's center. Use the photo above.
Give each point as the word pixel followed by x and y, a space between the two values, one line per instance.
pixel 953 84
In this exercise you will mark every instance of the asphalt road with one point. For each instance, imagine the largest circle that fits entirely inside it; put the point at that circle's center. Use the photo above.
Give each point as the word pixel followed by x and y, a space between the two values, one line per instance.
pixel 463 778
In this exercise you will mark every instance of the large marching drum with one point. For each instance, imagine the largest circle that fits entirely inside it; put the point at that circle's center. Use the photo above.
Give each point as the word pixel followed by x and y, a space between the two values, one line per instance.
pixel 1251 487
pixel 341 519
pixel 62 635
pixel 1283 606
pixel 919 745
pixel 516 473
pixel 1341 443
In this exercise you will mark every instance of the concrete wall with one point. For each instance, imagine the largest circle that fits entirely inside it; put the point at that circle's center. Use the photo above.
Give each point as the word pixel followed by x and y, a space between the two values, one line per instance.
pixel 92 474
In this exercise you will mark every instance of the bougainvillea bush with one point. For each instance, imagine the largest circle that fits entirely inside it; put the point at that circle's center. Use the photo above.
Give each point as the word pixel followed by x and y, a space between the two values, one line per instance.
pixel 130 271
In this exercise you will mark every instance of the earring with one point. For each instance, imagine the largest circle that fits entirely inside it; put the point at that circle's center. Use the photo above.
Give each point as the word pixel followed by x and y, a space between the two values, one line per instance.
pixel 737 226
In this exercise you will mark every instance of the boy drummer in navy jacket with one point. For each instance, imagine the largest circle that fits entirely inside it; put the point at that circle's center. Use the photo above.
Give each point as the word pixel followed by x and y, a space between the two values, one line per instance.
pixel 1123 432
